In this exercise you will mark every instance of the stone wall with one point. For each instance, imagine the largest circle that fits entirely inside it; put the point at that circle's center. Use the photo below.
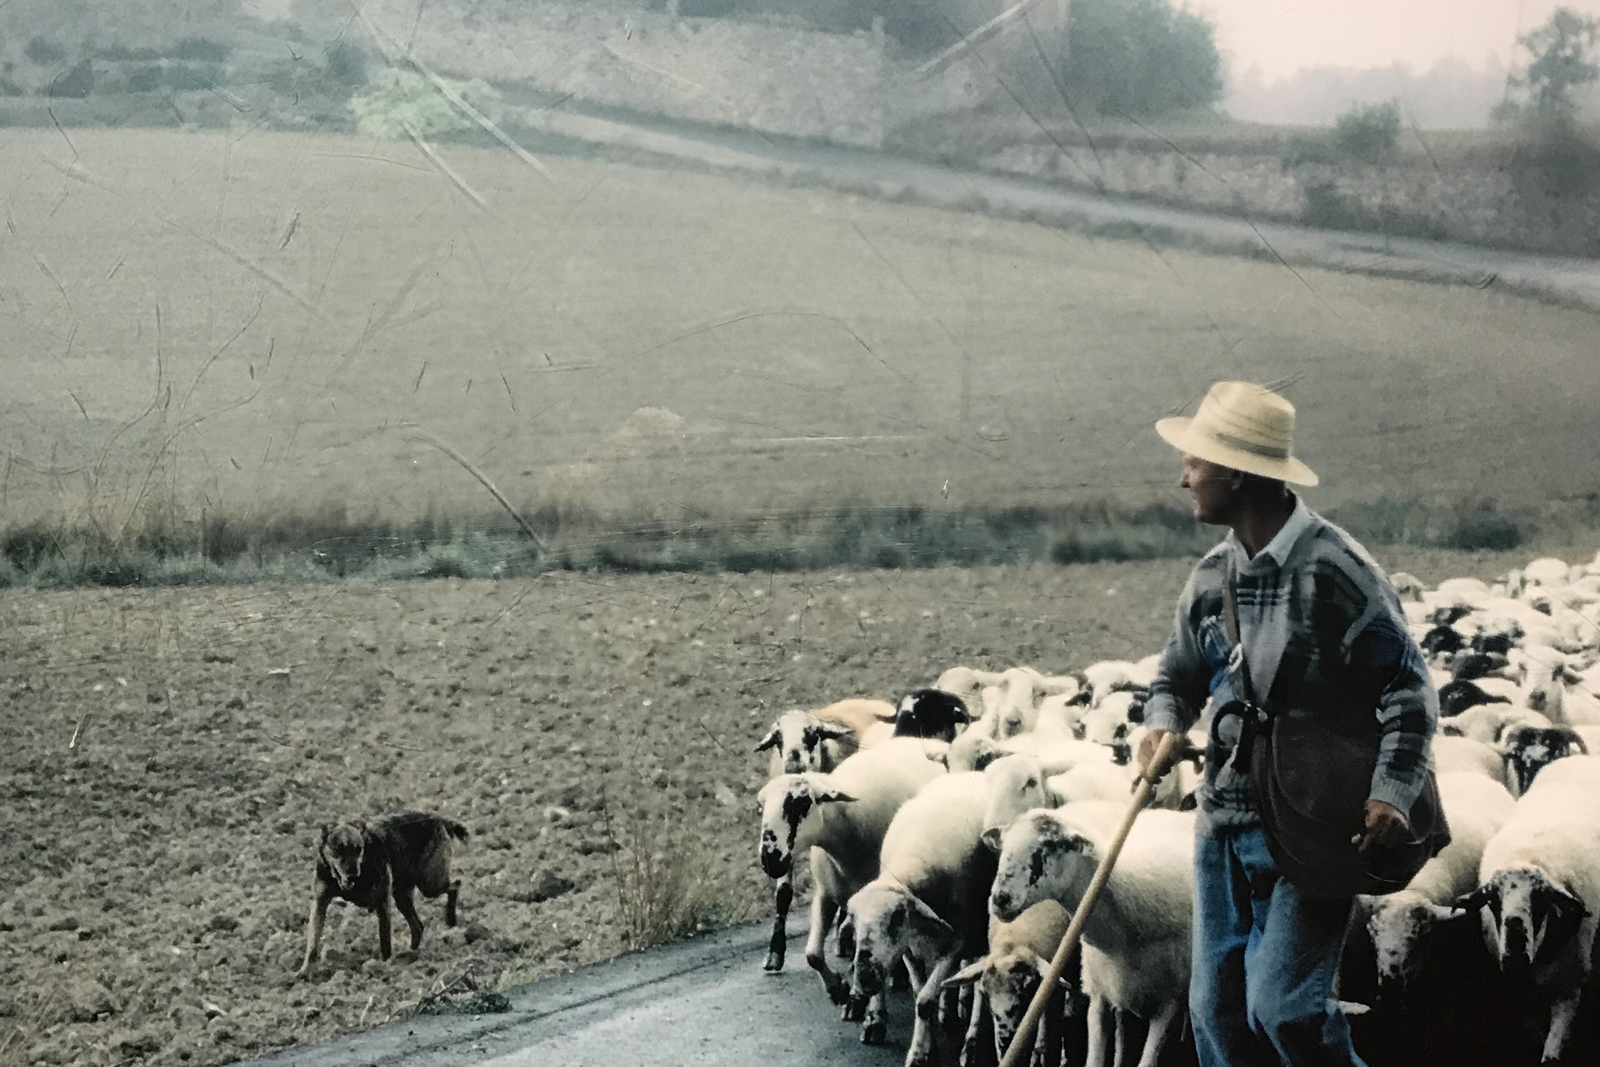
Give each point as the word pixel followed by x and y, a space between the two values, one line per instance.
pixel 854 89
pixel 1513 202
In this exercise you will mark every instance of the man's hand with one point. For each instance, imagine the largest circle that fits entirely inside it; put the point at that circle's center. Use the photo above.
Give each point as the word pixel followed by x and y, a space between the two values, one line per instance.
pixel 1386 825
pixel 1147 751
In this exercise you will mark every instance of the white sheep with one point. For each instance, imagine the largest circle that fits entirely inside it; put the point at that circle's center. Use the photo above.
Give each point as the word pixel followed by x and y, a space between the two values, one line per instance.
pixel 839 819
pixel 1539 890
pixel 1136 942
pixel 1476 808
pixel 820 740
pixel 968 684
pixel 1487 722
pixel 1101 723
pixel 1005 980
pixel 816 740
pixel 1023 687
pixel 1561 693
pixel 926 907
pixel 1452 754
pixel 1116 676
pixel 1546 571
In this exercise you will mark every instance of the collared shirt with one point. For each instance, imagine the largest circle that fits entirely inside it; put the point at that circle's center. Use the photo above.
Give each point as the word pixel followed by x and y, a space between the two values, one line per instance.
pixel 1322 630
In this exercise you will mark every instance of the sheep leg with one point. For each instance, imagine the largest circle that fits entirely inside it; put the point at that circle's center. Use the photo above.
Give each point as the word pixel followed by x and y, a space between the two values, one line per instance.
pixel 823 909
pixel 1160 1028
pixel 974 1040
pixel 1119 1049
pixel 1098 1007
pixel 847 939
pixel 782 897
pixel 921 1052
pixel 1562 1014
pixel 875 1020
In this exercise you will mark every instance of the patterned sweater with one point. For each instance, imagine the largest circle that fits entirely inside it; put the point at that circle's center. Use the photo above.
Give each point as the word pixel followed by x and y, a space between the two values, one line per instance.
pixel 1323 630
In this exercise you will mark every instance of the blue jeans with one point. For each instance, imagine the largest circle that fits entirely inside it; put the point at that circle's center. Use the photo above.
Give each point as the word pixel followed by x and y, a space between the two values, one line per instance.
pixel 1264 962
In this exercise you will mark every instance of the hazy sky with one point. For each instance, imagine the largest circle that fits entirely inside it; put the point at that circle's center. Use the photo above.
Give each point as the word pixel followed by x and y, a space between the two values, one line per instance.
pixel 1283 35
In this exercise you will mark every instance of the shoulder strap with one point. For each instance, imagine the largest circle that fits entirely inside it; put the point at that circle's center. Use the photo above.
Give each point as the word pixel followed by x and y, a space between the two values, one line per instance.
pixel 1238 666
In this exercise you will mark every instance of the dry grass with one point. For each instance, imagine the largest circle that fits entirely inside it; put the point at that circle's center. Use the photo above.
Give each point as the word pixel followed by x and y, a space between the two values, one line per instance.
pixel 244 324
pixel 661 883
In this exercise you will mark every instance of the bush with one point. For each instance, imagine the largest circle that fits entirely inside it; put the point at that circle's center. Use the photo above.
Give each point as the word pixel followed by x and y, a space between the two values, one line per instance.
pixel 1139 58
pixel 76 83
pixel 202 50
pixel 1368 133
pixel 347 64
pixel 398 101
pixel 44 52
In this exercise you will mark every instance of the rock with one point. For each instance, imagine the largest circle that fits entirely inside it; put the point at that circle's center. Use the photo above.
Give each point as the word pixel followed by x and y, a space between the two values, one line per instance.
pixel 476 932
pixel 66 922
pixel 222 923
pixel 598 845
pixel 546 885
pixel 480 1002
pixel 87 999
pixel 138 1043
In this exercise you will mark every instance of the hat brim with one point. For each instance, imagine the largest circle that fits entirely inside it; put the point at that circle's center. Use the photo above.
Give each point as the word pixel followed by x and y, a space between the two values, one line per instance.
pixel 1179 433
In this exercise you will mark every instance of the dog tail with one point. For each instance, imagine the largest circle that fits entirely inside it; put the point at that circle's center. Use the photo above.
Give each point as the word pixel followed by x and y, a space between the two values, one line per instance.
pixel 455 829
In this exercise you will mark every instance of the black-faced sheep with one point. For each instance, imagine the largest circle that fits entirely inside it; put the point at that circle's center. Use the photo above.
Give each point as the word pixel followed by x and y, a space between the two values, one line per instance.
pixel 930 713
pixel 1539 891
pixel 1477 808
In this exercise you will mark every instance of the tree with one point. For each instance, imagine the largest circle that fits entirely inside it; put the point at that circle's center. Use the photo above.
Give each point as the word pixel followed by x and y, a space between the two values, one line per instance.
pixel 1563 61
pixel 1368 133
pixel 1139 58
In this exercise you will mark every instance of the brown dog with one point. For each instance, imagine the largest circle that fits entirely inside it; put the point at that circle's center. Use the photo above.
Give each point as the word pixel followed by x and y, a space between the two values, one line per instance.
pixel 368 863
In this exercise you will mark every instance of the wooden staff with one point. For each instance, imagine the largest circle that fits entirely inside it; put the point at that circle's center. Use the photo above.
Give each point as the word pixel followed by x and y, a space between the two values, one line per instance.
pixel 1023 1041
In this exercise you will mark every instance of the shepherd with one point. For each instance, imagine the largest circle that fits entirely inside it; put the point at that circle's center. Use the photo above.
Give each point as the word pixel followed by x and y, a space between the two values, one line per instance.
pixel 1291 610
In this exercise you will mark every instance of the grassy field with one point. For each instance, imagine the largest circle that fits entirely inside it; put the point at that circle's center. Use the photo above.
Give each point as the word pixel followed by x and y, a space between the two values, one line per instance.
pixel 252 329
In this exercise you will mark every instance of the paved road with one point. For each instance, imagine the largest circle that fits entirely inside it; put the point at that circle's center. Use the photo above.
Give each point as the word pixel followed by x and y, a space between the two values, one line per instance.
pixel 1568 279
pixel 704 1002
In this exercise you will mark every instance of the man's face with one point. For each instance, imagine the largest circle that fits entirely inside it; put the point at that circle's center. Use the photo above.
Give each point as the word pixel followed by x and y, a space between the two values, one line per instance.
pixel 1211 488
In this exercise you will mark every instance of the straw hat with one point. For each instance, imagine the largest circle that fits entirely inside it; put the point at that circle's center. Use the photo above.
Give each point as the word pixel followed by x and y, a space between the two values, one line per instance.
pixel 1244 426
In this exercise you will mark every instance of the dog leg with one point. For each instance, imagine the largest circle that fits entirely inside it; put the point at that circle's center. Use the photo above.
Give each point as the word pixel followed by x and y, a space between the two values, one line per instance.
pixel 408 908
pixel 450 896
pixel 384 947
pixel 321 896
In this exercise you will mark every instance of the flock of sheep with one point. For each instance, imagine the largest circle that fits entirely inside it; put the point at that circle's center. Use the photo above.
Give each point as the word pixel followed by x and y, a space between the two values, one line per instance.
pixel 958 849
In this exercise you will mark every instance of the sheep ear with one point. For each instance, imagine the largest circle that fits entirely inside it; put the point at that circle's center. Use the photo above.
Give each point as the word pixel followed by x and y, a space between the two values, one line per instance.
pixel 1443 913
pixel 770 741
pixel 1079 843
pixel 832 796
pixel 992 837
pixel 958 709
pixel 941 757
pixel 833 730
pixel 1577 739
pixel 1450 729
pixel 1039 962
pixel 966 975
pixel 1475 899
pixel 925 922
